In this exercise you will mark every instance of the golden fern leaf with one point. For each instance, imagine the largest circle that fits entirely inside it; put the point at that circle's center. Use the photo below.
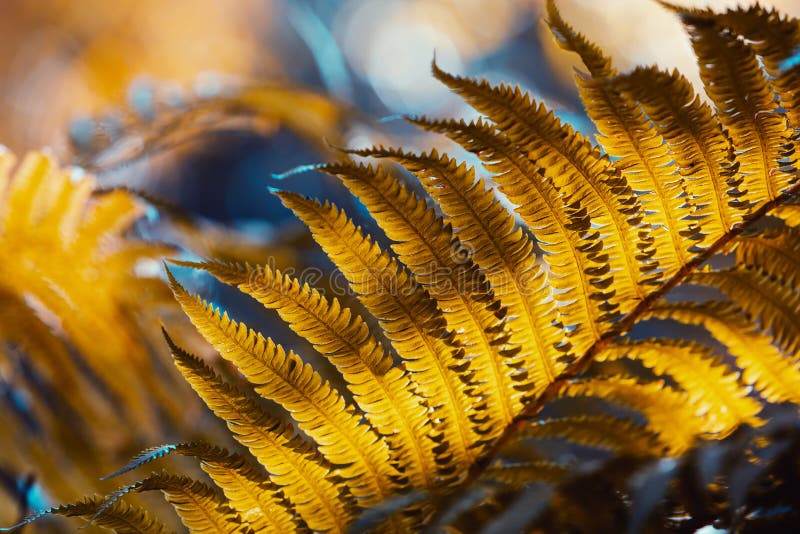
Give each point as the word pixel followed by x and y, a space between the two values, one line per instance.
pixel 248 490
pixel 744 102
pixel 598 431
pixel 198 505
pixel 700 146
pixel 254 499
pixel 585 302
pixel 410 319
pixel 775 39
pixel 65 248
pixel 385 393
pixel 711 388
pixel 576 168
pixel 502 251
pixel 664 407
pixel 776 377
pixel 640 153
pixel 76 316
pixel 763 298
pixel 118 516
pixel 775 251
pixel 437 260
pixel 292 464
pixel 319 409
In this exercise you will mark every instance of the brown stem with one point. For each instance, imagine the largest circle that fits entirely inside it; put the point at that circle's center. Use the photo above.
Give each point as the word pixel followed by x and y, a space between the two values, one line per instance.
pixel 582 363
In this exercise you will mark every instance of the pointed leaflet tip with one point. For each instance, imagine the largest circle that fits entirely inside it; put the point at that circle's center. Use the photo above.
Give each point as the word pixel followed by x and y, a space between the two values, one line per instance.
pixel 670 6
pixel 434 66
pixel 333 146
pixel 287 195
pixel 113 498
pixel 392 118
pixel 170 277
pixel 554 17
pixel 437 71
pixel 173 347
pixel 146 456
pixel 297 170
pixel 552 10
pixel 414 119
pixel 177 289
pixel 186 263
pixel 687 12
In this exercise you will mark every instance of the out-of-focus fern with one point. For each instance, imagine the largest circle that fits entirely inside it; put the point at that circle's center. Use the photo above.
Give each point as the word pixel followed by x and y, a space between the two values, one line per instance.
pixel 68 265
pixel 76 369
pixel 478 336
pixel 85 378
pixel 126 136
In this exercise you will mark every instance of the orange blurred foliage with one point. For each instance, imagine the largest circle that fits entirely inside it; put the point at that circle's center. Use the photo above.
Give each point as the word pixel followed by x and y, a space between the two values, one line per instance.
pixel 62 58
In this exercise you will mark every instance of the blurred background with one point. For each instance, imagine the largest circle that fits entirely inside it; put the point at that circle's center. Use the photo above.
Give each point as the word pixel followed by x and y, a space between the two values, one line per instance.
pixel 75 74
pixel 62 59
pixel 197 104
pixel 64 63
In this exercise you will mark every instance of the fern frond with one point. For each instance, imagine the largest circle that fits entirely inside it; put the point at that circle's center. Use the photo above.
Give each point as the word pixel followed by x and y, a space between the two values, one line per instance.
pixel 577 170
pixel 664 407
pixel 776 305
pixel 776 377
pixel 640 155
pixel 711 388
pixel 745 105
pixel 502 251
pixel 578 268
pixel 68 260
pixel 148 455
pixel 701 148
pixel 319 409
pixel 409 318
pixel 250 494
pixel 249 491
pixel 431 251
pixel 119 516
pixel 113 211
pixel 483 337
pixel 776 252
pixel 291 463
pixel 256 108
pixel 519 475
pixel 599 431
pixel 385 393
pixel 775 39
pixel 198 505
pixel 591 55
